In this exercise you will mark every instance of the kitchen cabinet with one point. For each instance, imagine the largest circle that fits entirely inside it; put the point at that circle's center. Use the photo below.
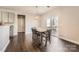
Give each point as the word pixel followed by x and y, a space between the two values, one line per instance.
pixel 5 17
pixel 0 17
pixel 11 17
pixel 4 37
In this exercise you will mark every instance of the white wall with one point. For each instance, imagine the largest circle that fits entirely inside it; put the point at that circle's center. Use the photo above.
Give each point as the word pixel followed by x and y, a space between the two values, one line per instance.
pixel 69 27
pixel 68 22
pixel 31 22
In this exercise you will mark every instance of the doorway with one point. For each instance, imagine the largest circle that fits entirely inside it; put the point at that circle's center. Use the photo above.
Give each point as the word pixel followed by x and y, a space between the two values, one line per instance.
pixel 52 22
pixel 21 23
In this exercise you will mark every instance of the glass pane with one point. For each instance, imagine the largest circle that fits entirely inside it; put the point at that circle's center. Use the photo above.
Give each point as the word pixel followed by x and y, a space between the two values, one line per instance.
pixel 11 17
pixel 5 17
pixel 48 22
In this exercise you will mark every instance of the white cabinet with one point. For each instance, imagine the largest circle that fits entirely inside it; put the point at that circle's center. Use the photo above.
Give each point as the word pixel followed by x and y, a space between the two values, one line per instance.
pixel 0 17
pixel 4 37
pixel 11 17
pixel 5 17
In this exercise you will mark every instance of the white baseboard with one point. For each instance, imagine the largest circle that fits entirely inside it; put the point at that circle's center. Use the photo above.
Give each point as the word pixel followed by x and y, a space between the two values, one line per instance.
pixel 70 40
pixel 5 46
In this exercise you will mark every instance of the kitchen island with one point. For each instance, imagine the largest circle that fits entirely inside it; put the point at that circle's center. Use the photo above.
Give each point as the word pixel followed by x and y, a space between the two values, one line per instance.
pixel 4 37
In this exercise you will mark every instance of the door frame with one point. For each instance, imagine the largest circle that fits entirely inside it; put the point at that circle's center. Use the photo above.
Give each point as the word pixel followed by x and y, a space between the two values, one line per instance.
pixel 24 21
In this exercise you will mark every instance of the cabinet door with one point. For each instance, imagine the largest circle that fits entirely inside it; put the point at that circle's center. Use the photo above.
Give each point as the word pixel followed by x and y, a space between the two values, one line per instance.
pixel 5 17
pixel 0 17
pixel 11 17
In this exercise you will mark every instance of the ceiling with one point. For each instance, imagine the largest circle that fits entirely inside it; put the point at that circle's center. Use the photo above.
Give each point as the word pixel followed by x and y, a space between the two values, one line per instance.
pixel 29 9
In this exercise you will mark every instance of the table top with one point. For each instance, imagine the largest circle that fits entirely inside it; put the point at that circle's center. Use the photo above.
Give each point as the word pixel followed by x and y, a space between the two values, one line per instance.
pixel 40 29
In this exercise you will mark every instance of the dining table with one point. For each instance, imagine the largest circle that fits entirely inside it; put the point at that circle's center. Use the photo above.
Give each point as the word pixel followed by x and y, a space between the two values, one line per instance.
pixel 42 35
pixel 42 31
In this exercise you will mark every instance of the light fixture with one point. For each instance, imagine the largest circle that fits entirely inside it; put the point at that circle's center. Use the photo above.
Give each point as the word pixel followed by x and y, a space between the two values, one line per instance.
pixel 37 17
pixel 39 6
pixel 48 6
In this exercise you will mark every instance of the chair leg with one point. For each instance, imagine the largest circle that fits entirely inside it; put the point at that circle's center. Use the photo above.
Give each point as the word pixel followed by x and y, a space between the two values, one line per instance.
pixel 46 42
pixel 49 40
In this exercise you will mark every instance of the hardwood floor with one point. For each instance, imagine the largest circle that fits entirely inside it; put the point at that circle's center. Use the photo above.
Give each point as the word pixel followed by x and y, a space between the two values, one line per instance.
pixel 22 43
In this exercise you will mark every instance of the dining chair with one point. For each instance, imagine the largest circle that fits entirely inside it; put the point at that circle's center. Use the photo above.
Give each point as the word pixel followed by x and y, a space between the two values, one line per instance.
pixel 35 37
pixel 33 33
pixel 46 37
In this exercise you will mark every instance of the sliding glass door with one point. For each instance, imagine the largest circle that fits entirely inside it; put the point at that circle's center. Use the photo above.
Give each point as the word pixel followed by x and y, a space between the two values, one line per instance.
pixel 52 22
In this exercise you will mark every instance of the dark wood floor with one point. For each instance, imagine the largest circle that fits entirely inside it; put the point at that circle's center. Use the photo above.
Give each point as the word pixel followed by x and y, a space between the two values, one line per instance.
pixel 22 43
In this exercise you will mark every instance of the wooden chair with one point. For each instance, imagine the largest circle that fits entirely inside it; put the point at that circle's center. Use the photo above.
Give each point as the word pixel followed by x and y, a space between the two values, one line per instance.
pixel 34 34
pixel 46 37
pixel 35 37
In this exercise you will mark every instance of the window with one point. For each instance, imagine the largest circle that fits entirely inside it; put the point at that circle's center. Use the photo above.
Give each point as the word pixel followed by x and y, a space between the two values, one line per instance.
pixel 48 22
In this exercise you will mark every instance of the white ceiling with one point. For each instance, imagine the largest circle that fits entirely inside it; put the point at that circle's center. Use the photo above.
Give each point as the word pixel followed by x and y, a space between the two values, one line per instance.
pixel 29 9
